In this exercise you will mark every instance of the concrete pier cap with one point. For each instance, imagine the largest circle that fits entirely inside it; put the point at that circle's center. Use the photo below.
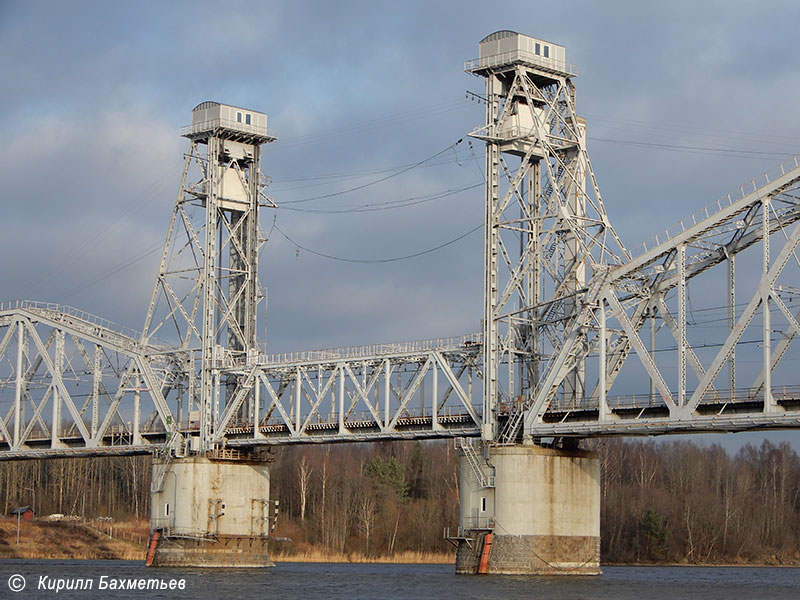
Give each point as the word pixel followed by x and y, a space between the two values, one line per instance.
pixel 211 510
pixel 528 509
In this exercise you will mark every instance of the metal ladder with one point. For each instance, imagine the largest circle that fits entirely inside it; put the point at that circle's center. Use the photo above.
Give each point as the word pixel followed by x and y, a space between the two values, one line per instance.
pixel 472 458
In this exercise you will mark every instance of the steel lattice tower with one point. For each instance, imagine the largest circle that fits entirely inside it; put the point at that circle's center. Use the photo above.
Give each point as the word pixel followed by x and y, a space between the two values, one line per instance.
pixel 206 295
pixel 546 229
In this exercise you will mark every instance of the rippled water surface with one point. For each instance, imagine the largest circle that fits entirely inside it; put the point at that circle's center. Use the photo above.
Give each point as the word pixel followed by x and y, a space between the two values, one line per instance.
pixel 114 579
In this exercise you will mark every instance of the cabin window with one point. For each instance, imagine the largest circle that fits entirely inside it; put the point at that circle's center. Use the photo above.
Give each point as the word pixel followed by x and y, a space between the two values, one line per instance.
pixel 166 509
pixel 483 503
pixel 547 51
pixel 538 48
pixel 238 117
pixel 247 119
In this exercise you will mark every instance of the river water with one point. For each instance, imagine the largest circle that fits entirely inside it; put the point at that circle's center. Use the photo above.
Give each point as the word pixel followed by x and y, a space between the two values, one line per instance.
pixel 121 579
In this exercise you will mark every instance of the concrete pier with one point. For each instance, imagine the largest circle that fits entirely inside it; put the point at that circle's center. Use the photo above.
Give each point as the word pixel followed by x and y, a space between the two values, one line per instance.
pixel 211 511
pixel 529 510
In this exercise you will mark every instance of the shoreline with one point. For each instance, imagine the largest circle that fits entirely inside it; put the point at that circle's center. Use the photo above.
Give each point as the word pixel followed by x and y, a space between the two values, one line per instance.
pixel 79 541
pixel 725 565
pixel 43 540
pixel 400 559
pixel 408 557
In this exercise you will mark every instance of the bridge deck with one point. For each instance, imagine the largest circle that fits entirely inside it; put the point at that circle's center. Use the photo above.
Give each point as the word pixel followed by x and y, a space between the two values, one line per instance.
pixel 631 415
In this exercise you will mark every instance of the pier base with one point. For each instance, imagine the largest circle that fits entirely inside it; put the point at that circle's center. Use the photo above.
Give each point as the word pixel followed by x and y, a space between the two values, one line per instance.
pixel 210 511
pixel 529 510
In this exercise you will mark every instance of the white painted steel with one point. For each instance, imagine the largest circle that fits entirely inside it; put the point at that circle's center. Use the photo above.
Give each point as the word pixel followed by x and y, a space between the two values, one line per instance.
pixel 560 291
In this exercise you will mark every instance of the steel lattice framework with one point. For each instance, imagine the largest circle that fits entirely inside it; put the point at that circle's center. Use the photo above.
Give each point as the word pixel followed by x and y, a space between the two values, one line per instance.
pixel 207 292
pixel 545 227
pixel 651 288
pixel 569 315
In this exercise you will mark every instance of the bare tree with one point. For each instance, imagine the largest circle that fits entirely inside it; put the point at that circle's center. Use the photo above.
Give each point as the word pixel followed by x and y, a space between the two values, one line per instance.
pixel 304 479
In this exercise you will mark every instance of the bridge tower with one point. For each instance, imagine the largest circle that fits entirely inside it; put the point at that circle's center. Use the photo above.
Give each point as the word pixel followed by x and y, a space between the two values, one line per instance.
pixel 205 303
pixel 546 232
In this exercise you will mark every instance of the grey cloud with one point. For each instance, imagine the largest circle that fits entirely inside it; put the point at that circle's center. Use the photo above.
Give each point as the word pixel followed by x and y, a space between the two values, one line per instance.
pixel 673 74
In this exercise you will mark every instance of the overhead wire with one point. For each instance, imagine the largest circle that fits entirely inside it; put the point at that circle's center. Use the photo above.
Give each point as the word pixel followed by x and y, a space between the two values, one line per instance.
pixel 144 198
pixel 363 208
pixel 388 205
pixel 394 172
pixel 325 179
pixel 713 133
pixel 373 260
pixel 376 181
pixel 744 153
pixel 114 270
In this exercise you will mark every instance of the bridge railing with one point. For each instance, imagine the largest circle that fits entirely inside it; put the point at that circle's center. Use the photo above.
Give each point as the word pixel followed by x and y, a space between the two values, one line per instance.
pixel 353 420
pixel 513 56
pixel 355 352
pixel 58 311
pixel 469 523
pixel 114 431
pixel 716 397
pixel 73 312
pixel 212 124
pixel 716 206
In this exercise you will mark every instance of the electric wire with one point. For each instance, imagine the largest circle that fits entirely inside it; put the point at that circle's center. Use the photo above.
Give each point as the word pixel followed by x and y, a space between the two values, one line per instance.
pixel 376 181
pixel 388 205
pixel 393 172
pixel 744 153
pixel 376 260
pixel 325 179
pixel 114 270
pixel 671 129
pixel 144 198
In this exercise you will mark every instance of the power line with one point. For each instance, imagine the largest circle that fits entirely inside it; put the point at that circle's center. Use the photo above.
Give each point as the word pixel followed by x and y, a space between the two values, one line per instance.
pixel 113 271
pixel 707 132
pixel 388 205
pixel 376 181
pixel 283 184
pixel 88 243
pixel 379 260
pixel 697 149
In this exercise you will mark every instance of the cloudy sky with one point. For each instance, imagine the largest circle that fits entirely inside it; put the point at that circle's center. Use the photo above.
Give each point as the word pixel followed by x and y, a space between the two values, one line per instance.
pixel 684 102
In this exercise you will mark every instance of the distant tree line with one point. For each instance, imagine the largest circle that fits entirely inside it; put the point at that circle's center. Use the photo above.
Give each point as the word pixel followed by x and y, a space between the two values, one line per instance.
pixel 86 487
pixel 680 502
pixel 371 499
pixel 661 501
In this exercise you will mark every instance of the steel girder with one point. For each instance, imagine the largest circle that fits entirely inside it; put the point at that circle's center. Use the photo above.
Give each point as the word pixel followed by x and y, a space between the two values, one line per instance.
pixel 653 287
pixel 565 310
pixel 72 383
pixel 397 395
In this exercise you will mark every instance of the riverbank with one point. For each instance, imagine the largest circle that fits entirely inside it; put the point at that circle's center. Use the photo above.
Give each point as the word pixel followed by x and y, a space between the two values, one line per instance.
pixel 71 540
pixel 76 540
pixel 408 557
pixel 770 563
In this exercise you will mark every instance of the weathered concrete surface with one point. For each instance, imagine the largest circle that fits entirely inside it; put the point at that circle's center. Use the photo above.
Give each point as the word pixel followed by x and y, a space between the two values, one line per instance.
pixel 211 512
pixel 236 552
pixel 468 555
pixel 544 512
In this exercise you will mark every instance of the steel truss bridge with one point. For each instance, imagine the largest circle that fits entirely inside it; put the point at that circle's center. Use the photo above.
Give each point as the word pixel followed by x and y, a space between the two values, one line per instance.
pixel 573 319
